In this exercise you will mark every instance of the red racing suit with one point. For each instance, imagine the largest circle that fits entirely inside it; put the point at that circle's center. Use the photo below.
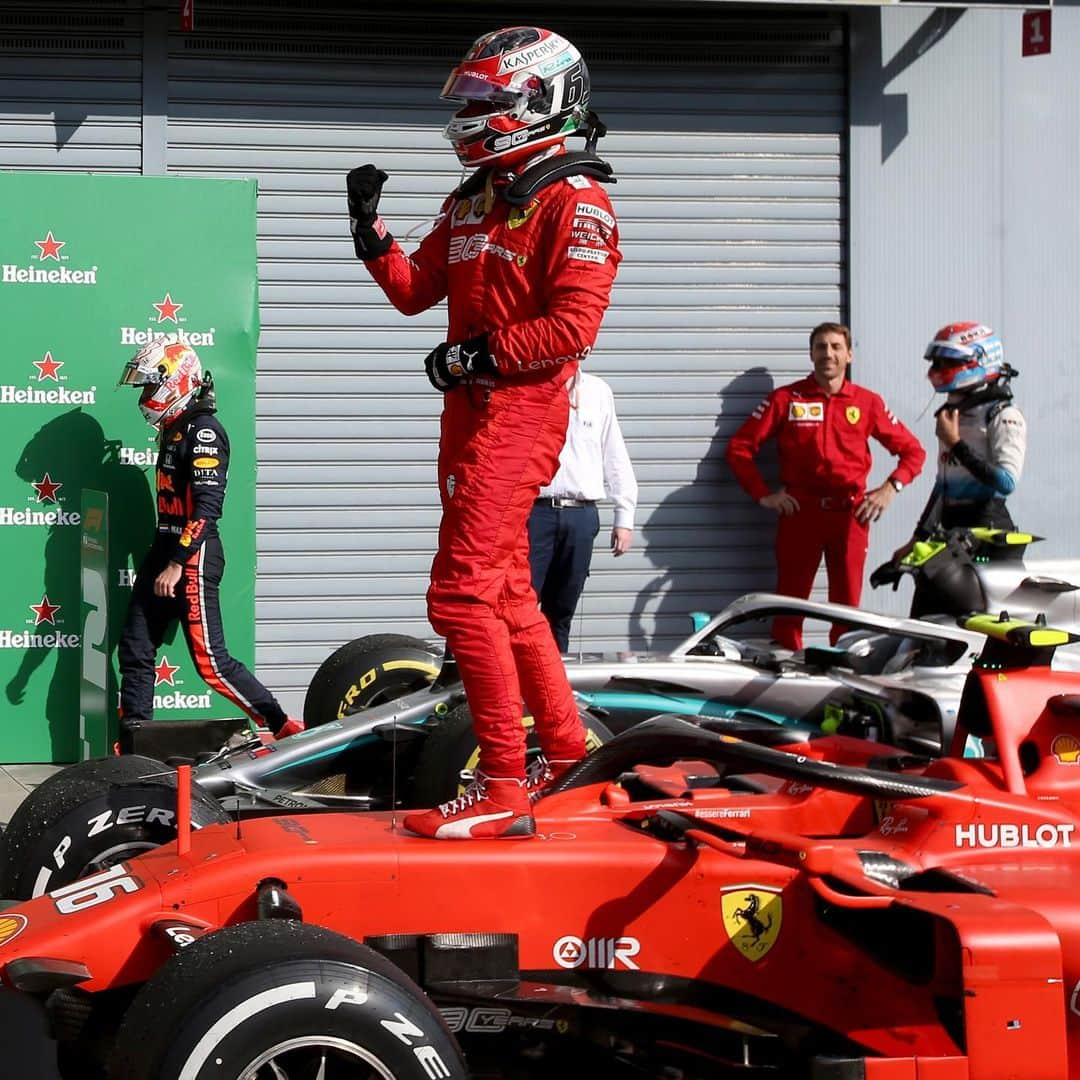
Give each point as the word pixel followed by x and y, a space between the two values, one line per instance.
pixel 823 442
pixel 536 279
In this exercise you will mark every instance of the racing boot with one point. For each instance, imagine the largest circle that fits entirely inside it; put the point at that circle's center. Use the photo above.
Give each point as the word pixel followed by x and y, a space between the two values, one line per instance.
pixel 542 773
pixel 489 808
pixel 291 726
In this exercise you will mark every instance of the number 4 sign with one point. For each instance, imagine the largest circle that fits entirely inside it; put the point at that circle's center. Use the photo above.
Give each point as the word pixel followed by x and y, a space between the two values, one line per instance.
pixel 1036 34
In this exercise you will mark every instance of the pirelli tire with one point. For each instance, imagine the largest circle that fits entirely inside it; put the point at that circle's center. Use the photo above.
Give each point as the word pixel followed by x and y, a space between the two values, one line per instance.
pixel 368 671
pixel 91 816
pixel 281 998
pixel 451 749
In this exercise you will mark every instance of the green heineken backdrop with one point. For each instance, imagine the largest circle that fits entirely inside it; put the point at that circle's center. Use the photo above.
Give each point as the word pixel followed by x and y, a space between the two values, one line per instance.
pixel 91 268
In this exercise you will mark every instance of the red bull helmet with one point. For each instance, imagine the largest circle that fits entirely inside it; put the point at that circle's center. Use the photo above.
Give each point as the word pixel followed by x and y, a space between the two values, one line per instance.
pixel 169 371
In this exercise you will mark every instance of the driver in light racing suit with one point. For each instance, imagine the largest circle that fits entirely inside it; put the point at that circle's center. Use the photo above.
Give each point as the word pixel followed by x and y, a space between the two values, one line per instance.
pixel 982 438
pixel 181 575
pixel 525 251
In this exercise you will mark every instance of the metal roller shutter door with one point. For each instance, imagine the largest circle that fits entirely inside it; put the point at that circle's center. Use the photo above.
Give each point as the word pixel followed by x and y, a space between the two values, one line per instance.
pixel 727 132
pixel 71 87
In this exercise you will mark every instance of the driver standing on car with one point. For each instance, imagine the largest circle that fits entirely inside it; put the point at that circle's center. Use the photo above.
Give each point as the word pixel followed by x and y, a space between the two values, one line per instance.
pixel 180 577
pixel 525 251
pixel 822 425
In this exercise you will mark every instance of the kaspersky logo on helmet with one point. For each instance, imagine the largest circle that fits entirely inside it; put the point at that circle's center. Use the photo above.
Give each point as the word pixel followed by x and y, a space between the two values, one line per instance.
pixel 46 266
pixel 45 385
pixel 46 507
pixel 44 629
pixel 166 319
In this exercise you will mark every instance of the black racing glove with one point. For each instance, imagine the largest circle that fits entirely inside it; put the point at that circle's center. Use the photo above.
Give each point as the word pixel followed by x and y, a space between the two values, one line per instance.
pixel 888 573
pixel 370 235
pixel 446 365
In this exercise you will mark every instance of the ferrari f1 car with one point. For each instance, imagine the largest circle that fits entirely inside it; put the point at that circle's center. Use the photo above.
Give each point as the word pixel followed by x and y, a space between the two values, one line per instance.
pixel 696 903
pixel 396 729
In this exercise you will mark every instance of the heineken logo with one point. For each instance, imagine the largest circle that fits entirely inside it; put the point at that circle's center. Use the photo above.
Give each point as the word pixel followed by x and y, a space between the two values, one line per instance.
pixel 45 612
pixel 181 701
pixel 46 488
pixel 17 395
pixel 11 639
pixel 48 367
pixel 167 310
pixel 10 516
pixel 165 672
pixel 45 633
pixel 135 335
pixel 175 700
pixel 40 389
pixel 129 455
pixel 40 271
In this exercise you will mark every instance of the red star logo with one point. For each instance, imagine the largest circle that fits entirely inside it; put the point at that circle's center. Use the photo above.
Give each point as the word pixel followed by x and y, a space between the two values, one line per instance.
pixel 44 611
pixel 167 309
pixel 165 671
pixel 48 367
pixel 50 248
pixel 46 489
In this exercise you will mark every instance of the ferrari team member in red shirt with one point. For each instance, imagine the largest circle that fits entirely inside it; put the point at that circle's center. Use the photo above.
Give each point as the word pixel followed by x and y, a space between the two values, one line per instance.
pixel 822 425
pixel 525 251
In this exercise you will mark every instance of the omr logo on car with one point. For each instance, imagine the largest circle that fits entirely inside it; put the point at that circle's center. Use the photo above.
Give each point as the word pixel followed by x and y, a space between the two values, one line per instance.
pixel 573 952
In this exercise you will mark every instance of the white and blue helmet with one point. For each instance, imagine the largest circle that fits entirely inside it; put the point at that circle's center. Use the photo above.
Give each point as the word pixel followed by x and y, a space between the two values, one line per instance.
pixel 964 355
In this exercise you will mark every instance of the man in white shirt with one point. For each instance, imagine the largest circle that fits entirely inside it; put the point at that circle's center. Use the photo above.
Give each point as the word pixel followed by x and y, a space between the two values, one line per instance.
pixel 564 519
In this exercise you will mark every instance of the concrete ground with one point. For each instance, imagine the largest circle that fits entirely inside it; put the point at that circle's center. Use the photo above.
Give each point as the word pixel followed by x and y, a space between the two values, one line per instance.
pixel 17 781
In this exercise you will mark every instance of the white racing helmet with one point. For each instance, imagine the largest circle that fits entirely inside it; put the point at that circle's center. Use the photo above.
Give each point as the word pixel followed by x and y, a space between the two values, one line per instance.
pixel 169 371
pixel 521 89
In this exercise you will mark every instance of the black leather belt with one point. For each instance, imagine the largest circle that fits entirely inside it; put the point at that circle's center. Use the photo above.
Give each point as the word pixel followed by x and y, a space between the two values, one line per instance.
pixel 560 503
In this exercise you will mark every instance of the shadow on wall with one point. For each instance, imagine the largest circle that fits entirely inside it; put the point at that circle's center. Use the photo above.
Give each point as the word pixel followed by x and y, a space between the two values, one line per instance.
pixel 705 531
pixel 874 107
pixel 73 452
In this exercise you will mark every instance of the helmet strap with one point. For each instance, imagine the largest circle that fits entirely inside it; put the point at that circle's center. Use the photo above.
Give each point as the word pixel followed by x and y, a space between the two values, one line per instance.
pixel 595 129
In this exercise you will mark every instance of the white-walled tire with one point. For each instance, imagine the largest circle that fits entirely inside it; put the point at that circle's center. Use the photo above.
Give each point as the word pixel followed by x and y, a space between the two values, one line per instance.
pixel 279 998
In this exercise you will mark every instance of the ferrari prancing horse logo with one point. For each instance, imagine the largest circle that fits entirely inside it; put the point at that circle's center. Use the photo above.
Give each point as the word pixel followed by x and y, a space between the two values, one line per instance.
pixel 852 413
pixel 752 916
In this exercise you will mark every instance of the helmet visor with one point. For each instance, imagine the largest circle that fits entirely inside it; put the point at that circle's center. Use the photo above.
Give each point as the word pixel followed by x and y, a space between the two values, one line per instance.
pixel 135 375
pixel 464 87
pixel 941 354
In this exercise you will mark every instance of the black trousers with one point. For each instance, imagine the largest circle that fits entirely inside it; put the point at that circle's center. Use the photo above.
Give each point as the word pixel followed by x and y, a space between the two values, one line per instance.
pixel 197 607
pixel 560 551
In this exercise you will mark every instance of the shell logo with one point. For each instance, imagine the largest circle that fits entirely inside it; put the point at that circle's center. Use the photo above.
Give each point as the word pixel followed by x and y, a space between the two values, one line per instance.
pixel 798 411
pixel 11 926
pixel 1066 748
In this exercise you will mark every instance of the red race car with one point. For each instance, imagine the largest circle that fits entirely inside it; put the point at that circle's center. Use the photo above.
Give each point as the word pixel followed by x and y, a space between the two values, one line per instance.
pixel 695 904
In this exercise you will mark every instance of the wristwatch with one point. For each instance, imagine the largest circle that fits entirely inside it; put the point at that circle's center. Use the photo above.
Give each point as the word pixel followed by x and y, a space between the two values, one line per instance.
pixel 897 484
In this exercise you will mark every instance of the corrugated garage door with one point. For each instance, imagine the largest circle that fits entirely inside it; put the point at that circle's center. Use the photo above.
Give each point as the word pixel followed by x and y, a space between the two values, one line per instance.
pixel 71 87
pixel 727 133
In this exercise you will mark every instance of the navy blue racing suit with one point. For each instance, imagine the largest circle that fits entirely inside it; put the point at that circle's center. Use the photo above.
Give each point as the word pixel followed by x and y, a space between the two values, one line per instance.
pixel 191 475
